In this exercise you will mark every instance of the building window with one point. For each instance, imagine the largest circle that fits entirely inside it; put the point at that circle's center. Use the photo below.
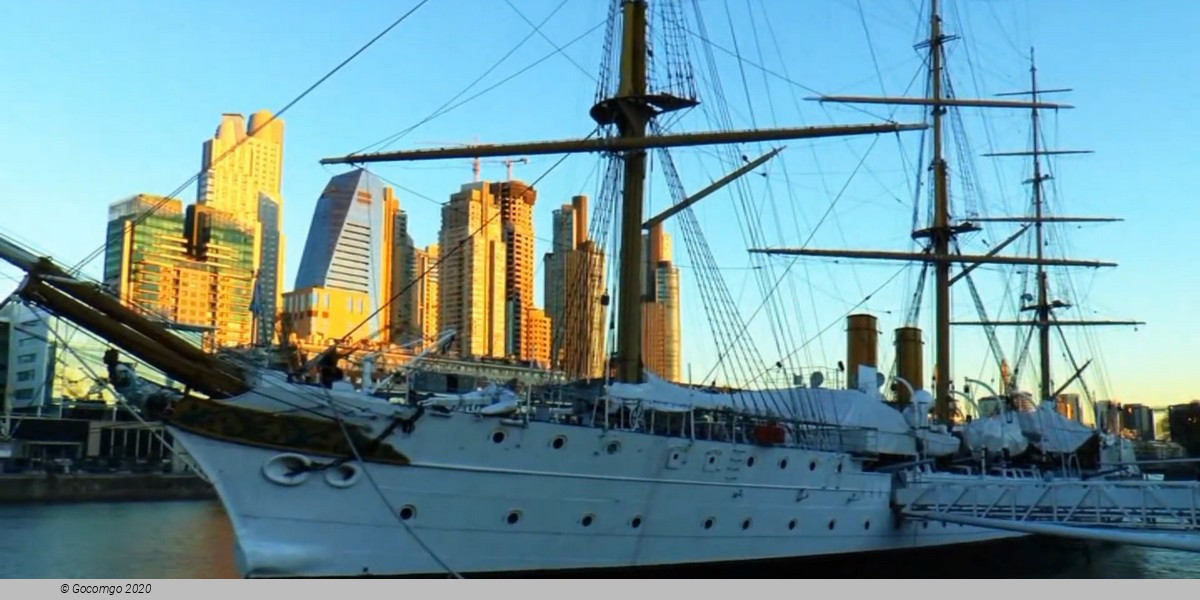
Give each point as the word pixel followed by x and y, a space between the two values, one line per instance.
pixel 25 359
pixel 25 375
pixel 24 394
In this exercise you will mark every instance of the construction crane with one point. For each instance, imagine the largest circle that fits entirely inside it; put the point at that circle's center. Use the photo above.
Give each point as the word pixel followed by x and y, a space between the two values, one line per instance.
pixel 477 162
pixel 508 162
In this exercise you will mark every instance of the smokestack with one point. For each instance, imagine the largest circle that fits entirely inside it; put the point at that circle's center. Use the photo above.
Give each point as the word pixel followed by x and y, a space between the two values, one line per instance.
pixel 862 346
pixel 909 356
pixel 580 204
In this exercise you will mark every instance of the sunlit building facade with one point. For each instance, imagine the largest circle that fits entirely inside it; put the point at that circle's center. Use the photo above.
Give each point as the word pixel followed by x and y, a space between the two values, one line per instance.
pixel 347 262
pixel 242 176
pixel 472 272
pixel 662 350
pixel 574 293
pixel 192 267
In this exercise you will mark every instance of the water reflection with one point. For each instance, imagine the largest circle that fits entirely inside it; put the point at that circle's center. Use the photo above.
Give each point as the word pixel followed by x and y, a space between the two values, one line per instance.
pixel 120 540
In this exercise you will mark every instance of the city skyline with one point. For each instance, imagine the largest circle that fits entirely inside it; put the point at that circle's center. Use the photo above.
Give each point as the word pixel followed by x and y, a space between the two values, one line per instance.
pixel 1144 366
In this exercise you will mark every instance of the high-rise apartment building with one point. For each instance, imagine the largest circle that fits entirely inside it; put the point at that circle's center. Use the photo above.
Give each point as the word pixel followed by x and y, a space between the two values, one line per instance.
pixel 536 342
pixel 191 268
pixel 345 274
pixel 576 302
pixel 239 163
pixel 661 333
pixel 516 202
pixel 268 282
pixel 425 292
pixel 472 273
pixel 405 320
pixel 239 166
pixel 27 358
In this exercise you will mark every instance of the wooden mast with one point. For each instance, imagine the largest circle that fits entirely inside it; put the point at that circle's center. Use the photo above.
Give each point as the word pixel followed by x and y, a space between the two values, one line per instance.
pixel 941 232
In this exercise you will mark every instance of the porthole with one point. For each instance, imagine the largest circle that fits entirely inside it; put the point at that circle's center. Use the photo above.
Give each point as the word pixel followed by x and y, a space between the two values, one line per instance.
pixel 750 462
pixel 791 524
pixel 812 465
pixel 498 437
pixel 712 459
pixel 745 524
pixel 924 524
pixel 867 524
pixel 636 522
pixel 407 512
pixel 513 517
pixel 783 463
pixel 839 468
pixel 587 520
pixel 674 456
pixel 709 522
pixel 612 447
pixel 558 442
pixel 832 524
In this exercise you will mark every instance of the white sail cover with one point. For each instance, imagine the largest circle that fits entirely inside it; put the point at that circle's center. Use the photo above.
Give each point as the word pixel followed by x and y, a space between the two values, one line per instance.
pixel 849 409
pixel 996 434
pixel 1051 431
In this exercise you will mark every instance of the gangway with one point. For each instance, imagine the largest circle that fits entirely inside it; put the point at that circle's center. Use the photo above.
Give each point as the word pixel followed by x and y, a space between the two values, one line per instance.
pixel 1132 511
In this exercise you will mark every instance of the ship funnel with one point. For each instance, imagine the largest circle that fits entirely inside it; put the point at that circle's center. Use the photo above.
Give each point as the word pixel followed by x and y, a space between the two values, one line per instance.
pixel 909 367
pixel 862 346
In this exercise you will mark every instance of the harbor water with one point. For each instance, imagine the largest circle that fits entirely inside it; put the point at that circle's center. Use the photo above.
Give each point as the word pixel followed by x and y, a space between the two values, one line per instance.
pixel 192 539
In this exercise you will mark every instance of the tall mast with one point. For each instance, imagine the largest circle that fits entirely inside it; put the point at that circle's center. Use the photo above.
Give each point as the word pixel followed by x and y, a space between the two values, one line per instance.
pixel 941 232
pixel 632 114
pixel 1043 306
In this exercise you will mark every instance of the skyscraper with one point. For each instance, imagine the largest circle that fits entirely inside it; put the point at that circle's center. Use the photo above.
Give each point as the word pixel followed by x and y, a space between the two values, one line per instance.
pixel 472 272
pixel 238 167
pixel 405 320
pixel 516 215
pixel 661 334
pixel 267 281
pixel 575 293
pixel 346 269
pixel 193 269
pixel 425 292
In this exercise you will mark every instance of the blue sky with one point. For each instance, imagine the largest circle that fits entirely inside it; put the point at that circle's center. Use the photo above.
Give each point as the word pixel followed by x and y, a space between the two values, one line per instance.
pixel 108 99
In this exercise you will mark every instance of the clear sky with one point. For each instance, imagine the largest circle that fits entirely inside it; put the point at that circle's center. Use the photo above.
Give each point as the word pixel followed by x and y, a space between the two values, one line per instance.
pixel 103 100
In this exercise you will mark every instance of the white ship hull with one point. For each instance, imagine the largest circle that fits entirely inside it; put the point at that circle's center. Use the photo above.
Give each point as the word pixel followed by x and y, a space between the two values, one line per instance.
pixel 649 500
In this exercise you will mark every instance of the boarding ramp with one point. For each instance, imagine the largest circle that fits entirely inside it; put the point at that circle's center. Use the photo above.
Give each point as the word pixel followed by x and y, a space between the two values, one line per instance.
pixel 1141 512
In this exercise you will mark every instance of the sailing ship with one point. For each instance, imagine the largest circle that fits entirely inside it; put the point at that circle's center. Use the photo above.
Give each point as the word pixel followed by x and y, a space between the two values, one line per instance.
pixel 326 480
